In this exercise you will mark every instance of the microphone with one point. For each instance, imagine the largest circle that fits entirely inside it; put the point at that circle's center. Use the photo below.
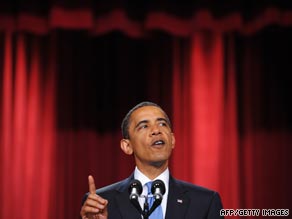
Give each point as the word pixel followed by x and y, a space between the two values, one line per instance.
pixel 135 190
pixel 158 190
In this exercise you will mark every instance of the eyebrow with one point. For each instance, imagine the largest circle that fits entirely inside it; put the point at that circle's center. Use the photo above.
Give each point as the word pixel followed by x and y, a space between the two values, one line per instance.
pixel 163 119
pixel 141 122
pixel 147 121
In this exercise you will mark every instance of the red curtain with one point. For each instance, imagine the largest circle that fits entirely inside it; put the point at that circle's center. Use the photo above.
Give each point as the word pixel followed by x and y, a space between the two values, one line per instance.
pixel 205 116
pixel 136 19
pixel 27 130
pixel 242 153
pixel 64 93
pixel 265 132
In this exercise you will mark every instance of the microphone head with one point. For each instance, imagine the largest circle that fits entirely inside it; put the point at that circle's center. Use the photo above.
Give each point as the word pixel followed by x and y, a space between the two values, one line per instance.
pixel 158 187
pixel 158 190
pixel 135 189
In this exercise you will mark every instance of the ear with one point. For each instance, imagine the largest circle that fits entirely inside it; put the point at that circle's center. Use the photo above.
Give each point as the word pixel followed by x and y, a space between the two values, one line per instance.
pixel 172 140
pixel 126 146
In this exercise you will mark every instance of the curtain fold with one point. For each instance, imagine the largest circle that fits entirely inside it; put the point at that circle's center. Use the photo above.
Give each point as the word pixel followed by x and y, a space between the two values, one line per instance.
pixel 27 131
pixel 64 93
pixel 266 128
pixel 232 135
pixel 6 126
pixel 205 116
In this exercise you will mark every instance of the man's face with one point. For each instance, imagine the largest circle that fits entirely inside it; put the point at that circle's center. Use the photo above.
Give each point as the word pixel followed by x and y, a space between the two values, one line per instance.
pixel 151 139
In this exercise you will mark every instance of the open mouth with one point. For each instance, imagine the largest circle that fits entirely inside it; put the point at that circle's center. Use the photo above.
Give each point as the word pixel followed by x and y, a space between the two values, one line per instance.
pixel 158 143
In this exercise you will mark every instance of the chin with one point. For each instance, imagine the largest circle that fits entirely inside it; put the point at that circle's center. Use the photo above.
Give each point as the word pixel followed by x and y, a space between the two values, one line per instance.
pixel 158 163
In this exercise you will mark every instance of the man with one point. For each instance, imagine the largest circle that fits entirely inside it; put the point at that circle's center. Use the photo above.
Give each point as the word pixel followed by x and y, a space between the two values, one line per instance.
pixel 147 135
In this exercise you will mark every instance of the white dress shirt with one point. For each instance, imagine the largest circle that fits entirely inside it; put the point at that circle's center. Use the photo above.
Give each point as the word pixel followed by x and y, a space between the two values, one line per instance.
pixel 144 179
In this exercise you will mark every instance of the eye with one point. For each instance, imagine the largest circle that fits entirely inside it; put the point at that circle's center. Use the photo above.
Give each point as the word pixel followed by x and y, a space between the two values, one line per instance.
pixel 144 126
pixel 162 124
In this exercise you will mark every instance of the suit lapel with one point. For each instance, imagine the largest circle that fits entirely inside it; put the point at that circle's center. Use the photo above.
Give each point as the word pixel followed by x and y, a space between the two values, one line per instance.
pixel 178 201
pixel 123 201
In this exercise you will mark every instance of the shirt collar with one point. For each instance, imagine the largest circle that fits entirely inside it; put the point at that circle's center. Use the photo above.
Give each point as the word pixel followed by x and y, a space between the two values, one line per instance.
pixel 144 179
pixel 164 176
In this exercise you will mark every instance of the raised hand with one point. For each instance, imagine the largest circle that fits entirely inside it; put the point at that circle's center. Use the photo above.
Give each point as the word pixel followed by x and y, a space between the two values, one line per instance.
pixel 94 207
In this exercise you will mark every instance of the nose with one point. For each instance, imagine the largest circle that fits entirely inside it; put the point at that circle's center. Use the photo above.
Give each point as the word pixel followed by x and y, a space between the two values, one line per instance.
pixel 155 130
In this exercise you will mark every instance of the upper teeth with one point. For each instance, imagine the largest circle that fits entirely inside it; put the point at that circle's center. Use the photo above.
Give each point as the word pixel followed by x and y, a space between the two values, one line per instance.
pixel 158 142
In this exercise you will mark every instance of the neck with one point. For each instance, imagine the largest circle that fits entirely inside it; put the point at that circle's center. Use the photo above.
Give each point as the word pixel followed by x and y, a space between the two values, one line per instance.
pixel 153 170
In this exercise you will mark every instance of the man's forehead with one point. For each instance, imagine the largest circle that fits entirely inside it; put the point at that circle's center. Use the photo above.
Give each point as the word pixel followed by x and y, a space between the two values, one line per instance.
pixel 146 113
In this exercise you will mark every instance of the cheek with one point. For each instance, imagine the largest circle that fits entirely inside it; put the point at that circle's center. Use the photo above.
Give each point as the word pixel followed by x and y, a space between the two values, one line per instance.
pixel 137 146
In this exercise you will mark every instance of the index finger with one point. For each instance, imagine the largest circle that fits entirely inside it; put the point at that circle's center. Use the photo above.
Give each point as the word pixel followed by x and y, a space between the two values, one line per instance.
pixel 91 185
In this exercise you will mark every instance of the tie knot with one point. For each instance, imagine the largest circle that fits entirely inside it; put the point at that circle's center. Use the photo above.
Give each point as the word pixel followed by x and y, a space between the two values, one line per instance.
pixel 149 184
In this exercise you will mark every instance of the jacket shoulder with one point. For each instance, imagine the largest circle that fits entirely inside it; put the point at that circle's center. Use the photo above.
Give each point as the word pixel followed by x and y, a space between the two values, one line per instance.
pixel 195 191
pixel 201 201
pixel 109 190
pixel 193 187
pixel 111 187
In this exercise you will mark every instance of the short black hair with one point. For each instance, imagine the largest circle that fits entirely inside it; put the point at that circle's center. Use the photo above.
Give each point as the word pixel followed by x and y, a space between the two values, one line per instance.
pixel 126 120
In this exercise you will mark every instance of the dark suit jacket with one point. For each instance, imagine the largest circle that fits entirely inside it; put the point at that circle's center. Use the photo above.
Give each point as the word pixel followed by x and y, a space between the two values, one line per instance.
pixel 185 201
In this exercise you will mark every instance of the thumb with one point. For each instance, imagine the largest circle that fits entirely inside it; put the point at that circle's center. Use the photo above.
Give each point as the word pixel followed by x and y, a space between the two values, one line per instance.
pixel 91 185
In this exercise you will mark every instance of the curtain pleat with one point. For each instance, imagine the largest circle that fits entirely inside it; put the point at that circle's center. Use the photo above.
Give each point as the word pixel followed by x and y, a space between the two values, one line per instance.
pixel 27 132
pixel 64 93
